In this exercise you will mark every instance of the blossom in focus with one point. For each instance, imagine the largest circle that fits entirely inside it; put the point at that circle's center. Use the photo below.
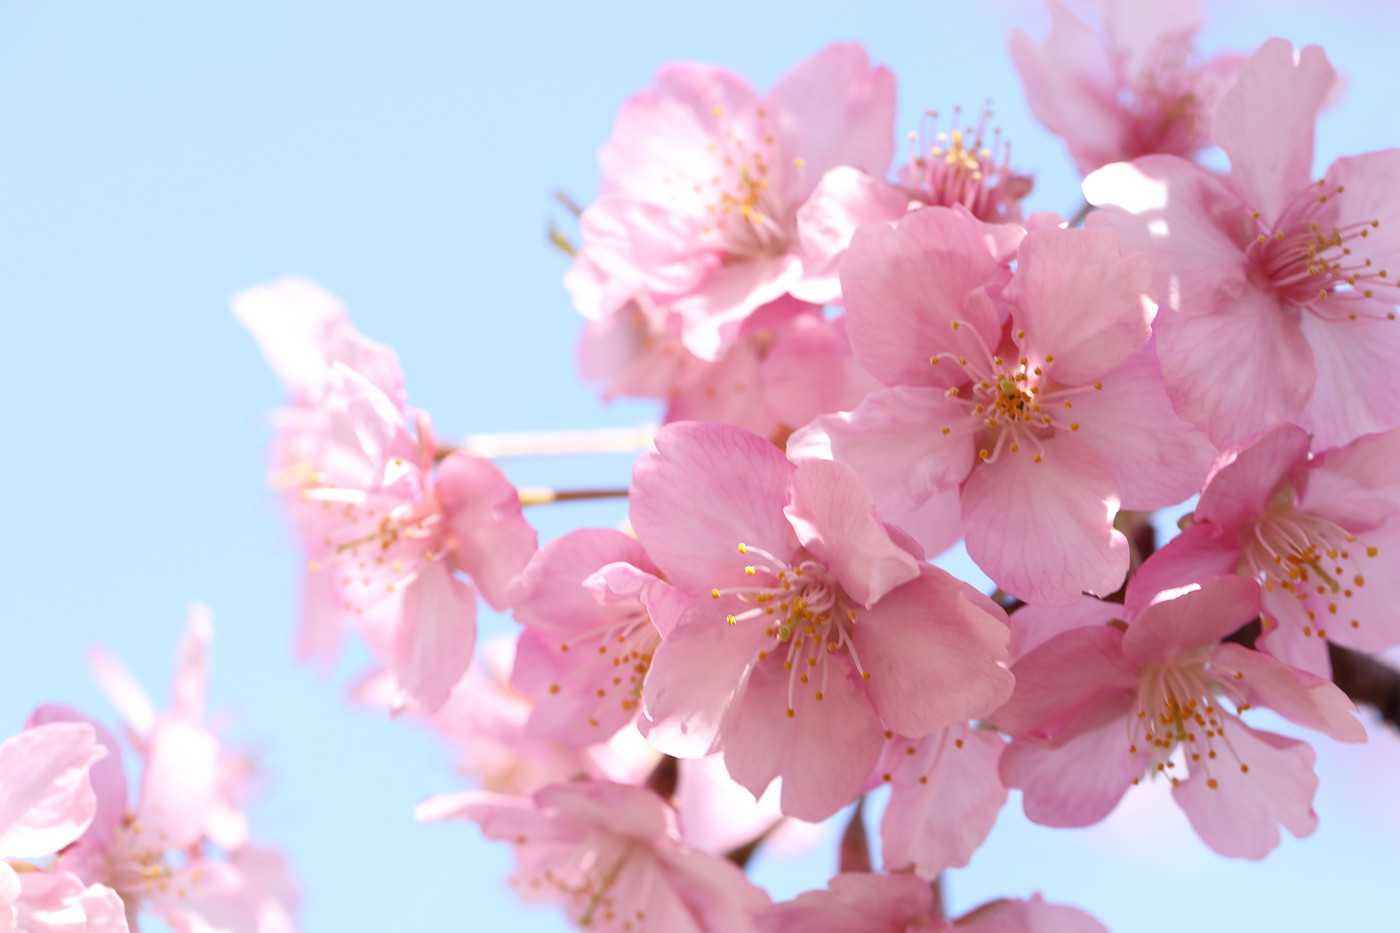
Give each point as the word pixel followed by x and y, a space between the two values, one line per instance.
pixel 814 628
pixel 585 600
pixel 611 854
pixel 1319 533
pixel 1278 291
pixel 47 802
pixel 856 902
pixel 702 182
pixel 1034 398
pixel 1136 90
pixel 1097 707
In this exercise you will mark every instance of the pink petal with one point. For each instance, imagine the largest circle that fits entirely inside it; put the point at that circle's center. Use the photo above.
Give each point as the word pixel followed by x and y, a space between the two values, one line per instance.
pixel 179 788
pixel 834 109
pixel 436 635
pixel 810 371
pixel 59 902
pixel 1064 675
pixel 1295 695
pixel 732 390
pixel 705 490
pixel 1079 299
pixel 834 517
pixel 1352 358
pixel 944 799
pixel 935 526
pixel 107 776
pixel 1240 817
pixel 711 314
pixel 1196 618
pixel 549 594
pixel 823 752
pixel 124 692
pixel 1044 531
pixel 696 673
pixel 1265 123
pixel 1157 458
pixel 493 539
pixel 46 799
pixel 1236 372
pixel 905 287
pixel 1244 481
pixel 845 199
pixel 191 686
pixel 1033 626
pixel 931 648
pixel 1371 195
pixel 1199 552
pixel 291 320
pixel 1077 779
pixel 1179 216
pixel 1072 82
pixel 894 442
pixel 1355 486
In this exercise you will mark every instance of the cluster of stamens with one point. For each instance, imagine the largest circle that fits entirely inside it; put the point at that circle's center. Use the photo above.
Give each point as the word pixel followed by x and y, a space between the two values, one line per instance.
pixel 747 209
pixel 586 876
pixel 374 544
pixel 1312 562
pixel 1306 261
pixel 963 166
pixel 137 868
pixel 806 615
pixel 622 657
pixel 1177 705
pixel 1011 404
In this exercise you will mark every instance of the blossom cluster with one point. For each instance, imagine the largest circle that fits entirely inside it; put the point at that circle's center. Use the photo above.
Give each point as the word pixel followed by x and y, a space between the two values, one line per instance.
pixel 864 359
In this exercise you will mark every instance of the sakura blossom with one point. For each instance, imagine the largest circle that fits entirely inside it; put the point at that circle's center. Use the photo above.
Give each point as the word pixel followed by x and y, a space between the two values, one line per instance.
pixel 587 600
pixel 833 630
pixel 388 528
pixel 1279 303
pixel 1099 707
pixel 702 181
pixel 1318 532
pixel 1136 89
pixel 612 855
pixel 1035 398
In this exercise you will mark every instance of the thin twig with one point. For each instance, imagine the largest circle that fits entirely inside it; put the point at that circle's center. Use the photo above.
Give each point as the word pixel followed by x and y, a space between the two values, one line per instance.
pixel 543 495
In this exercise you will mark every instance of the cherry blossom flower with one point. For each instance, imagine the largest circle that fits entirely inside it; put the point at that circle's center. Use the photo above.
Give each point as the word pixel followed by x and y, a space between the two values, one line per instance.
pixel 612 856
pixel 856 902
pixel 46 803
pixel 1097 707
pixel 1320 534
pixel 702 181
pixel 156 856
pixel 392 547
pixel 945 795
pixel 588 641
pixel 1135 91
pixel 1043 424
pixel 815 629
pixel 1279 306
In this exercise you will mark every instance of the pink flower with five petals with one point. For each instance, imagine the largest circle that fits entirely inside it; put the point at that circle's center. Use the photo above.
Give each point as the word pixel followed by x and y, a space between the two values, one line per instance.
pixel 815 629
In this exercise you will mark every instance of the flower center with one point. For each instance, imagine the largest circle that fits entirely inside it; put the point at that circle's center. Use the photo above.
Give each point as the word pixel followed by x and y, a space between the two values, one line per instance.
pixel 746 207
pixel 1010 405
pixel 619 656
pixel 963 167
pixel 1306 258
pixel 1311 566
pixel 1176 706
pixel 807 616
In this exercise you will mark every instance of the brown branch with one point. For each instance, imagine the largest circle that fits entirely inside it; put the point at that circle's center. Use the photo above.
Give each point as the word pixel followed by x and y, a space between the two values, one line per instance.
pixel 1368 680
pixel 855 843
pixel 665 777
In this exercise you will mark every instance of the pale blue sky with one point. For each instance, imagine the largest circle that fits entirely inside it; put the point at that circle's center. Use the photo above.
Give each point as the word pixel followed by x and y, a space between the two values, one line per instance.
pixel 158 157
